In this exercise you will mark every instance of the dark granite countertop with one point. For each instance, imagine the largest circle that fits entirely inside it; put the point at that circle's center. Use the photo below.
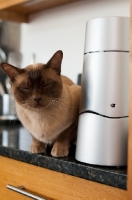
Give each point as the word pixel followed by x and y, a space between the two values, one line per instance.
pixel 15 143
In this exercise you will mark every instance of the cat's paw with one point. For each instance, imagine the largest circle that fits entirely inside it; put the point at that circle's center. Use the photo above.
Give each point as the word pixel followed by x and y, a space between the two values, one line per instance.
pixel 38 148
pixel 60 150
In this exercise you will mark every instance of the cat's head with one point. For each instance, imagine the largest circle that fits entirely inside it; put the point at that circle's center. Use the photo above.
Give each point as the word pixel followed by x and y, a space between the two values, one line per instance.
pixel 36 86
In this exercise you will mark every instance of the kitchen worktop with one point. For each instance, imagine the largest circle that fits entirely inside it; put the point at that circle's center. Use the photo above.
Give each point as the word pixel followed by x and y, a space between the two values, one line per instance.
pixel 15 143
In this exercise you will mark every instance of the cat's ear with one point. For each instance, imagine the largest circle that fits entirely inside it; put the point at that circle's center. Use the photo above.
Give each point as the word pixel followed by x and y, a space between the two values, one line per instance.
pixel 11 71
pixel 55 61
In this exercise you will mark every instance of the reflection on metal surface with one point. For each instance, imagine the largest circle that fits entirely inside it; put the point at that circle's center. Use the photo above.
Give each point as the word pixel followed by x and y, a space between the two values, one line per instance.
pixel 7 106
pixel 24 139
pixel 5 138
pixel 14 135
pixel 9 117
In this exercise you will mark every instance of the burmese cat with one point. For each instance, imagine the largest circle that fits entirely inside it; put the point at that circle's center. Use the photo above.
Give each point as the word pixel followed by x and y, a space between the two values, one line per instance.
pixel 47 104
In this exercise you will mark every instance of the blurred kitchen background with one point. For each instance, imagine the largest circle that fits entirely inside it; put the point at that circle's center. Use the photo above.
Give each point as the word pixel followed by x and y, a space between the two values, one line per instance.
pixel 63 28
pixel 58 28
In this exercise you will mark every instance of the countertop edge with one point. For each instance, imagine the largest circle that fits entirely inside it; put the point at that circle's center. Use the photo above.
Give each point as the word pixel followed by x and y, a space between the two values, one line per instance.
pixel 76 169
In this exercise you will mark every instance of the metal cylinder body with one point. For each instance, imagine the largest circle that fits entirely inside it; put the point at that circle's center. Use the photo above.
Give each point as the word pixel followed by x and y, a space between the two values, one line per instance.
pixel 103 120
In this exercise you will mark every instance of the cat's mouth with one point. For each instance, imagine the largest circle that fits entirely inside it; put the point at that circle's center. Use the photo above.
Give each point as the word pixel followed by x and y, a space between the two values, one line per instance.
pixel 38 106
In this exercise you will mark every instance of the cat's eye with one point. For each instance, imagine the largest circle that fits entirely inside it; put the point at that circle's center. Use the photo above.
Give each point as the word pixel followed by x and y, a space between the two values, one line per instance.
pixel 25 89
pixel 47 85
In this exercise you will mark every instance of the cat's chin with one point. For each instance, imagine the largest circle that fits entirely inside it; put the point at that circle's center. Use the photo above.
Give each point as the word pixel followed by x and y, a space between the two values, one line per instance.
pixel 37 108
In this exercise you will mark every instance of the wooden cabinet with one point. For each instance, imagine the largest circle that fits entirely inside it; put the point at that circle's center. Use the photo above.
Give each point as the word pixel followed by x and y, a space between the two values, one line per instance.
pixel 19 10
pixel 50 184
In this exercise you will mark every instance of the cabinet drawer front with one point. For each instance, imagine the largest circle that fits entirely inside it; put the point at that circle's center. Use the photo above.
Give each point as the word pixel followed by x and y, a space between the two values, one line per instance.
pixel 50 184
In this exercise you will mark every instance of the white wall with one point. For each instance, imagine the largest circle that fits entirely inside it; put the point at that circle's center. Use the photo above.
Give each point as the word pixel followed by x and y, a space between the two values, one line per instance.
pixel 63 28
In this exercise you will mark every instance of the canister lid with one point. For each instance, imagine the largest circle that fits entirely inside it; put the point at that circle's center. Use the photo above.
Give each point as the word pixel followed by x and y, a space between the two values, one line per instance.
pixel 107 34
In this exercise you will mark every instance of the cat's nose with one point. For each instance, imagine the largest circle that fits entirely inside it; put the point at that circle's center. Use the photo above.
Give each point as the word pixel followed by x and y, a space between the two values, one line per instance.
pixel 37 99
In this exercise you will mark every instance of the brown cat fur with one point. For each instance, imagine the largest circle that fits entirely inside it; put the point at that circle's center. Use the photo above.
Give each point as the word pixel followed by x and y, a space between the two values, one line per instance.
pixel 47 104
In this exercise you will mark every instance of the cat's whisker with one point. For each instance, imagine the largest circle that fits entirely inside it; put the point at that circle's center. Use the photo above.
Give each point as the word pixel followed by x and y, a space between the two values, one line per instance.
pixel 56 102
pixel 23 109
pixel 62 106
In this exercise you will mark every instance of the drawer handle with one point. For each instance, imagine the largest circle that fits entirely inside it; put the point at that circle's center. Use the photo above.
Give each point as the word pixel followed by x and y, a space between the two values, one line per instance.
pixel 21 190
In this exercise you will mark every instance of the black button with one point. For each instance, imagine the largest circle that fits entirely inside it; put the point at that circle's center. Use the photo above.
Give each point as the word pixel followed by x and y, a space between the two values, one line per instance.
pixel 113 105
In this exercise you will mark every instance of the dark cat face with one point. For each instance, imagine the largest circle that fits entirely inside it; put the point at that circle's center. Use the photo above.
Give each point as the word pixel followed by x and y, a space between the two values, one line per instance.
pixel 38 85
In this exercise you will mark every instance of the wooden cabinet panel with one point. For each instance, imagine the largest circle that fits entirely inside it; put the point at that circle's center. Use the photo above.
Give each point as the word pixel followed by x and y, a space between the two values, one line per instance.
pixel 51 184
pixel 5 4
pixel 13 16
pixel 19 10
